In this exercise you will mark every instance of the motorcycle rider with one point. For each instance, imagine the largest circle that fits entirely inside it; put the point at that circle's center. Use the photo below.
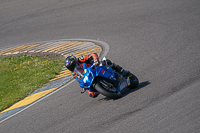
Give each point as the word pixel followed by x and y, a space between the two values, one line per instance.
pixel 71 62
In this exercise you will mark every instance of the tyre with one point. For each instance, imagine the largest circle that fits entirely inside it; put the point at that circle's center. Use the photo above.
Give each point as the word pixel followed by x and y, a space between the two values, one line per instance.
pixel 110 92
pixel 134 81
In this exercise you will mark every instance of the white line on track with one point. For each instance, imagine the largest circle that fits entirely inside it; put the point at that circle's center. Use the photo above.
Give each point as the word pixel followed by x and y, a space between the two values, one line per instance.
pixel 38 101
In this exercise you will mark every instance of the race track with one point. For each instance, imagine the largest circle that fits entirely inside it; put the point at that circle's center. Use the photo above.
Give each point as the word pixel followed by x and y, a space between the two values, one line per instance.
pixel 157 40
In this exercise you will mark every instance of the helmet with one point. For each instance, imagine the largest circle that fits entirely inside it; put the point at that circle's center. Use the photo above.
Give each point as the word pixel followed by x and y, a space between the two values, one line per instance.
pixel 70 62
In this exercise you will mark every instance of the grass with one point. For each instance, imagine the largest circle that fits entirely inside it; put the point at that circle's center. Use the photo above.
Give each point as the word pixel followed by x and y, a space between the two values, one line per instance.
pixel 22 75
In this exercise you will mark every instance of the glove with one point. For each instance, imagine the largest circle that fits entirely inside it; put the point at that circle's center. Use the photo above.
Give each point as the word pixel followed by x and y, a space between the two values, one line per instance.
pixel 103 63
pixel 107 63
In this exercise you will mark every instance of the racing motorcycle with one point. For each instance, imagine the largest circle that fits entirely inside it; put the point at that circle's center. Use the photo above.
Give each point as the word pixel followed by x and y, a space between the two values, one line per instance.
pixel 104 80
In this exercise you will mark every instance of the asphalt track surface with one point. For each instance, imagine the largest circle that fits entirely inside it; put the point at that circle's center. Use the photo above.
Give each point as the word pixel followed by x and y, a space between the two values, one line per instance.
pixel 157 40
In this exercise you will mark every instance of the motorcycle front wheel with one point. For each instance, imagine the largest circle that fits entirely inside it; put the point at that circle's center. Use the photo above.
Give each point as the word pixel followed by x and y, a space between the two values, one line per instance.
pixel 110 92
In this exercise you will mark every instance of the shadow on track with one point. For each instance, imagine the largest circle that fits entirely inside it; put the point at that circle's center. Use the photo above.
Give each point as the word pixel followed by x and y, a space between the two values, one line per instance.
pixel 128 91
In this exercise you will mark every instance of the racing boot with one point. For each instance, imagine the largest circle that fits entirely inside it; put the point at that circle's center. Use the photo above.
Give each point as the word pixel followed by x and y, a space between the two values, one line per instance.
pixel 120 70
pixel 123 72
pixel 116 67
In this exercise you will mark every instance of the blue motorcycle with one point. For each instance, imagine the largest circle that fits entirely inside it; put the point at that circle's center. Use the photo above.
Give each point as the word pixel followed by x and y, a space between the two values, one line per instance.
pixel 104 80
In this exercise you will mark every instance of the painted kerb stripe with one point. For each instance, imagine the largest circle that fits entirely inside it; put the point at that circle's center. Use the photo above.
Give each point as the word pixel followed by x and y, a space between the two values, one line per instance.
pixel 62 47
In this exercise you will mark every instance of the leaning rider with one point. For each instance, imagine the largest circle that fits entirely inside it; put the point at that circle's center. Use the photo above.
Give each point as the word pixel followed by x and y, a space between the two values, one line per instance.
pixel 71 62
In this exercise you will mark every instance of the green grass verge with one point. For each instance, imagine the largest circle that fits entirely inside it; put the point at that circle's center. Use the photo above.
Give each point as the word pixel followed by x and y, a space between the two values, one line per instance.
pixel 22 75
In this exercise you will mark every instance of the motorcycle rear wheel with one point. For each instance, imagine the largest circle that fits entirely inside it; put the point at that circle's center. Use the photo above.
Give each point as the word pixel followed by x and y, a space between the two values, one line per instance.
pixel 106 92
pixel 134 82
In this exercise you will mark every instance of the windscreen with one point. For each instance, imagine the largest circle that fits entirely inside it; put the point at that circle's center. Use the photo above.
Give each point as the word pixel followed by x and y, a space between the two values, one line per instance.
pixel 79 71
